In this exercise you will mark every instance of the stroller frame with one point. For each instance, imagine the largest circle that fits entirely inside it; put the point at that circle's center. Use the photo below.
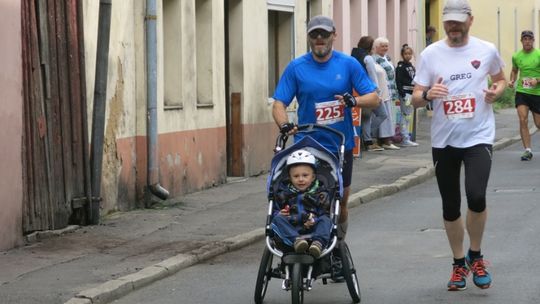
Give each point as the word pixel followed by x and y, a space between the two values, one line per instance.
pixel 299 271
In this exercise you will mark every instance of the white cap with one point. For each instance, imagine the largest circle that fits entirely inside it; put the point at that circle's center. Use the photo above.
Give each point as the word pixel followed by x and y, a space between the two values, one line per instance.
pixel 456 10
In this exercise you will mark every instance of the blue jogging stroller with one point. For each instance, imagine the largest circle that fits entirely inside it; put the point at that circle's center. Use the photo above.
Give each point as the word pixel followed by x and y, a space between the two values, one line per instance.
pixel 298 271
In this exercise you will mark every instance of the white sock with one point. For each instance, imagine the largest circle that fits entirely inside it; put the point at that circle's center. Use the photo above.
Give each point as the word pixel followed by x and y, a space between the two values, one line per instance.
pixel 528 149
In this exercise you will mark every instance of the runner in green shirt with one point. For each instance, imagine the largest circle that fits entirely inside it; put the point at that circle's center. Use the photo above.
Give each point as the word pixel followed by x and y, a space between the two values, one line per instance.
pixel 527 62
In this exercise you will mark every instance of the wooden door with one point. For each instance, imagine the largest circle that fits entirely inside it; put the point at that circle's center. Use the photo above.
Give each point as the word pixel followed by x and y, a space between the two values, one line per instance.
pixel 55 145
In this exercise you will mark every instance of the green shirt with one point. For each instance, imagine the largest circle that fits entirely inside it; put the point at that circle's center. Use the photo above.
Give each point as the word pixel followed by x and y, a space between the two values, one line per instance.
pixel 528 65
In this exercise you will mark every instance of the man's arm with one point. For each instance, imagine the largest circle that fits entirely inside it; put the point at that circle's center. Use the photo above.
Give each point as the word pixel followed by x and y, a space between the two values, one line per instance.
pixel 279 112
pixel 497 87
pixel 369 100
pixel 364 101
pixel 513 77
pixel 438 90
pixel 417 100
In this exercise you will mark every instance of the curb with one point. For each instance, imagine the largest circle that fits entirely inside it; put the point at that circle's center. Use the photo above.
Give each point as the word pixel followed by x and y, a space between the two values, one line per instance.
pixel 47 234
pixel 114 289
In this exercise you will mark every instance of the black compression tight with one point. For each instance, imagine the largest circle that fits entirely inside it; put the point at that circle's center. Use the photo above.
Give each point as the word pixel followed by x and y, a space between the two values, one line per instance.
pixel 477 164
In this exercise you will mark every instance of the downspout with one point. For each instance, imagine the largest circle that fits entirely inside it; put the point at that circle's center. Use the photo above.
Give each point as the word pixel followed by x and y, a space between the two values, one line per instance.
pixel 151 106
pixel 98 116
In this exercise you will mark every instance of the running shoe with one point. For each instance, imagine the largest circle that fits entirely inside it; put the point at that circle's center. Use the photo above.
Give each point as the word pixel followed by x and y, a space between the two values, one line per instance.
pixel 457 280
pixel 481 278
pixel 527 155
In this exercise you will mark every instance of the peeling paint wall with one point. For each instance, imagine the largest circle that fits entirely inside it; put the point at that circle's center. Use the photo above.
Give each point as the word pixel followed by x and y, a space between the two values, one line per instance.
pixel 184 132
pixel 113 186
pixel 118 186
pixel 11 128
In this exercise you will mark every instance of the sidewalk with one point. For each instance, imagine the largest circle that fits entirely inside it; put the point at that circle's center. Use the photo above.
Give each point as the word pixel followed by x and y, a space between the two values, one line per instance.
pixel 127 251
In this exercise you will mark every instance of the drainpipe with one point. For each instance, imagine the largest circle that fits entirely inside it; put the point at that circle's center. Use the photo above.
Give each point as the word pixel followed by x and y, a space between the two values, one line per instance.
pixel 151 106
pixel 98 116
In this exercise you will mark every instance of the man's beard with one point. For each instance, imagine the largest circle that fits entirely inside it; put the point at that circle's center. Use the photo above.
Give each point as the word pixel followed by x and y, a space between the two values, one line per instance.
pixel 459 39
pixel 321 52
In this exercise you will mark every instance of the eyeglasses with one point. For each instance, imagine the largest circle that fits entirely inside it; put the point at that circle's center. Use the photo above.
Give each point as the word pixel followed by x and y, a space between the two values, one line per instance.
pixel 315 33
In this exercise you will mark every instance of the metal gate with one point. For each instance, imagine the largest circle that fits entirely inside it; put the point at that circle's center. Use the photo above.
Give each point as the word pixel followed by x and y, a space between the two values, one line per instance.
pixel 55 144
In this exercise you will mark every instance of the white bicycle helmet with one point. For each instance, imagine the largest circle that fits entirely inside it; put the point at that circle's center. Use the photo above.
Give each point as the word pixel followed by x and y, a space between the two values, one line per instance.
pixel 301 157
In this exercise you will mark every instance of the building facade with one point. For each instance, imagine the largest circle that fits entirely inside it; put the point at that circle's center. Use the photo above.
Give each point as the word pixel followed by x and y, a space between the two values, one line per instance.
pixel 11 119
pixel 217 64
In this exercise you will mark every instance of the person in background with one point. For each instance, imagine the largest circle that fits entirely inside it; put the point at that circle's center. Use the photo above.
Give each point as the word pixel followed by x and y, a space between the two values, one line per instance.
pixel 526 62
pixel 462 132
pixel 380 46
pixel 371 119
pixel 430 32
pixel 405 72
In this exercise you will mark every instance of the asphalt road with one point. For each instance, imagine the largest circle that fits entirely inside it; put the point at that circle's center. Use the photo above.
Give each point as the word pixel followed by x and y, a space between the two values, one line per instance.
pixel 400 250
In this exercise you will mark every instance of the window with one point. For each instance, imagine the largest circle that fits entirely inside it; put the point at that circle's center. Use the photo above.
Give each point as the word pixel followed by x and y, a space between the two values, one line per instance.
pixel 172 55
pixel 203 16
pixel 280 45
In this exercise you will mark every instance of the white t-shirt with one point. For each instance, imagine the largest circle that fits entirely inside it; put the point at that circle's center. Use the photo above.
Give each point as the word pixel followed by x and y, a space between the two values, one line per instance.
pixel 463 119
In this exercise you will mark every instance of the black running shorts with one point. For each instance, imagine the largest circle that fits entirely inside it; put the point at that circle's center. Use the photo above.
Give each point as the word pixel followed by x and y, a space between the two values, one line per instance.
pixel 529 100
pixel 347 168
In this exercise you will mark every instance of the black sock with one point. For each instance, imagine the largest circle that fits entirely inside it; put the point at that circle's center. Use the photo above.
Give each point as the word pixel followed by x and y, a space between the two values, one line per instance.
pixel 474 254
pixel 460 262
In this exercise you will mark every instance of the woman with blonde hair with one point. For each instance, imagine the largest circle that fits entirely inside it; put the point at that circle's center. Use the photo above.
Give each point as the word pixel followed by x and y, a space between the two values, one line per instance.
pixel 387 83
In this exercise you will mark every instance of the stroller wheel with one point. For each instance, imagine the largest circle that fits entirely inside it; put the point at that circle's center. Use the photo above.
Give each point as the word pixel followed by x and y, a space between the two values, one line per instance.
pixel 349 272
pixel 264 276
pixel 297 290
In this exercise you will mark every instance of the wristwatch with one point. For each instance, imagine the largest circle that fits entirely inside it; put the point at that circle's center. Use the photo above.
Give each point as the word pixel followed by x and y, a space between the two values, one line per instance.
pixel 424 96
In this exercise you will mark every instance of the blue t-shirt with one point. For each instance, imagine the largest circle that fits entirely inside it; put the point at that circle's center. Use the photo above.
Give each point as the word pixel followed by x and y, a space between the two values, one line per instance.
pixel 314 85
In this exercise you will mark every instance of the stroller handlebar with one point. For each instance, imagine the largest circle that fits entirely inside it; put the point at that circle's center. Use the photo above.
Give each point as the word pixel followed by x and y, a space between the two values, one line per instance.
pixel 281 140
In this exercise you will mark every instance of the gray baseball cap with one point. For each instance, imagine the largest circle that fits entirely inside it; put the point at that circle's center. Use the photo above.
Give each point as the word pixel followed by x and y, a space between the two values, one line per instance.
pixel 527 33
pixel 456 10
pixel 320 22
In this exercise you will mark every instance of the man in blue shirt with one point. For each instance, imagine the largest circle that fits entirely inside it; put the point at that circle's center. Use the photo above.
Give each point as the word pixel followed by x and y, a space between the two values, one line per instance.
pixel 322 82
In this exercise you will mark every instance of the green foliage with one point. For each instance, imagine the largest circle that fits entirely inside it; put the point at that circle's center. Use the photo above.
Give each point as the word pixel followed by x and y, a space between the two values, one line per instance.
pixel 506 100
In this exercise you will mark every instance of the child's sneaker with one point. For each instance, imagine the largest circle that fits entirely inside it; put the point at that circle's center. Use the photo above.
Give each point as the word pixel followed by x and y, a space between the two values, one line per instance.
pixel 315 249
pixel 481 277
pixel 300 246
pixel 457 280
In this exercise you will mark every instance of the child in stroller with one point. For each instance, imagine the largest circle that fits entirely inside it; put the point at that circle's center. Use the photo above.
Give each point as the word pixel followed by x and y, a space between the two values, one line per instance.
pixel 302 206
pixel 307 205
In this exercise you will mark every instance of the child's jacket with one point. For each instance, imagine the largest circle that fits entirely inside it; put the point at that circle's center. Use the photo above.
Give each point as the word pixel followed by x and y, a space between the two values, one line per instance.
pixel 315 200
